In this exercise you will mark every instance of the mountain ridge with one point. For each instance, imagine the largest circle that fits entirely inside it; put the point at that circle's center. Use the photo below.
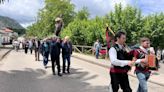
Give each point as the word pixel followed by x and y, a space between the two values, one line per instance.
pixel 12 24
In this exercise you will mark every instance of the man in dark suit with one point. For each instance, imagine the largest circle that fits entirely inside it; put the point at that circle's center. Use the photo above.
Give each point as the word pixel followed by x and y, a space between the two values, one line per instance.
pixel 55 54
pixel 66 53
pixel 36 48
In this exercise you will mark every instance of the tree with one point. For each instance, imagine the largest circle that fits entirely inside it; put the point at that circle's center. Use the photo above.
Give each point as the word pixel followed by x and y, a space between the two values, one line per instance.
pixel 45 24
pixel 84 31
pixel 83 14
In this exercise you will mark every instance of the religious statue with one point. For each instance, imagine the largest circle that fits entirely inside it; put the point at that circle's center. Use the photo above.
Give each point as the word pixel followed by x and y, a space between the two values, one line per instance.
pixel 58 25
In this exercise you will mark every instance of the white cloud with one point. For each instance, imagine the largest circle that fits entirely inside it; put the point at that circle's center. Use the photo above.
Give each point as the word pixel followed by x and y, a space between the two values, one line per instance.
pixel 102 7
pixel 25 25
pixel 23 11
pixel 151 6
pixel 99 7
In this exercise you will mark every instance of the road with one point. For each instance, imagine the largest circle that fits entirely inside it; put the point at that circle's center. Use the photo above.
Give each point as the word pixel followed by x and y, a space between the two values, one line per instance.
pixel 20 73
pixel 161 69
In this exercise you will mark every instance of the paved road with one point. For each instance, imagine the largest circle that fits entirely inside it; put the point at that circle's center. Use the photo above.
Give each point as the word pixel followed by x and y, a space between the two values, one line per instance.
pixel 161 69
pixel 20 73
pixel 3 52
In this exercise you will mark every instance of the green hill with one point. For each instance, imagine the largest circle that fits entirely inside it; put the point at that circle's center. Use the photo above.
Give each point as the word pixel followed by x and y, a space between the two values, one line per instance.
pixel 11 23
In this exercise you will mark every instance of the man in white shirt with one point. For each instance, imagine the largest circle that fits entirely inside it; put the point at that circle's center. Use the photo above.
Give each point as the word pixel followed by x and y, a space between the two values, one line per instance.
pixel 120 65
pixel 31 45
pixel 97 47
pixel 163 55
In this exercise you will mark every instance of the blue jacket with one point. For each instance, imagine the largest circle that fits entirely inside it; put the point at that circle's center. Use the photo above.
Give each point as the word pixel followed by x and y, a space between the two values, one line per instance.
pixel 45 48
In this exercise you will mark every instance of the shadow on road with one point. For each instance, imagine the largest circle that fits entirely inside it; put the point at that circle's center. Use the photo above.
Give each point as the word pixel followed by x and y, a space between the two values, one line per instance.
pixel 30 80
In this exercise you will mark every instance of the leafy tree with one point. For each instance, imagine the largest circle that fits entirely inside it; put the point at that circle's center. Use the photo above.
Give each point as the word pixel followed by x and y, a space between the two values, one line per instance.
pixel 45 24
pixel 83 14
pixel 84 30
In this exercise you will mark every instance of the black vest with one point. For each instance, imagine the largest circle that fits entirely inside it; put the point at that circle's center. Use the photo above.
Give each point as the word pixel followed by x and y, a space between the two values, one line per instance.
pixel 121 55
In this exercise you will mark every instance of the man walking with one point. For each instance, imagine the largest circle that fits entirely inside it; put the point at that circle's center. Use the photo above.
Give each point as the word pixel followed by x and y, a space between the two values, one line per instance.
pixel 142 70
pixel 26 46
pixel 97 47
pixel 45 50
pixel 66 53
pixel 120 65
pixel 55 54
pixel 31 45
pixel 158 57
pixel 36 48
pixel 163 55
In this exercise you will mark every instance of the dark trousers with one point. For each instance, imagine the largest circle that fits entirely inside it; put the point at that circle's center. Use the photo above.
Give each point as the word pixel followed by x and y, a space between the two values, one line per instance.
pixel 57 61
pixel 157 64
pixel 26 49
pixel 37 54
pixel 45 58
pixel 120 79
pixel 31 50
pixel 66 58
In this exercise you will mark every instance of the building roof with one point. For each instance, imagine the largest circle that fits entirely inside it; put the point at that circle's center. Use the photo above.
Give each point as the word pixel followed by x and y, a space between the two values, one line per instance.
pixel 8 30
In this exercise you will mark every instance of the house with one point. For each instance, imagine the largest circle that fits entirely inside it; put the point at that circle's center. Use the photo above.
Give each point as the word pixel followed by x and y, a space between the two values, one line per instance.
pixel 2 36
pixel 7 35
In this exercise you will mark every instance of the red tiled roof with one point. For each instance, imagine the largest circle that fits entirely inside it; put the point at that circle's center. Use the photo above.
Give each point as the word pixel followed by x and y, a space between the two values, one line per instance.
pixel 8 30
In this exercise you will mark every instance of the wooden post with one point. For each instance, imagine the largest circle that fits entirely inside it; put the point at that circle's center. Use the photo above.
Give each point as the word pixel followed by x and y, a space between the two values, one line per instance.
pixel 74 48
pixel 82 49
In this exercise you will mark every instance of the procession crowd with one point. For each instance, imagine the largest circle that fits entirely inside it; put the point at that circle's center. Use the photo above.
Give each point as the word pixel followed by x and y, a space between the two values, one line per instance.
pixel 121 59
pixel 50 47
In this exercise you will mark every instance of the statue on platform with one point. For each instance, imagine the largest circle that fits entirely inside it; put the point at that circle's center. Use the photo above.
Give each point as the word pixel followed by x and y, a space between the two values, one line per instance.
pixel 58 25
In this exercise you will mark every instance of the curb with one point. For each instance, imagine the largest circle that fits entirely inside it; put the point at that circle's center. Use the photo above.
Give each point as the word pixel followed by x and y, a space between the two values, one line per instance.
pixel 5 54
pixel 106 66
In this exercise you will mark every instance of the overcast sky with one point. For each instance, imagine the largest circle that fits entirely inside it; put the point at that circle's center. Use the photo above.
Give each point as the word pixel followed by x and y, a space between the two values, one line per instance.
pixel 25 11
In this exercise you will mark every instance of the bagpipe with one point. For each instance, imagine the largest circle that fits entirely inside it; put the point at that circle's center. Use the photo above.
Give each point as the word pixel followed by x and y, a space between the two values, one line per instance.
pixel 131 54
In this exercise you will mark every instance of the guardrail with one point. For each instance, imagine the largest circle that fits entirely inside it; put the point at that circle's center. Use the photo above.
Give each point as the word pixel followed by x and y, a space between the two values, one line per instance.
pixel 90 50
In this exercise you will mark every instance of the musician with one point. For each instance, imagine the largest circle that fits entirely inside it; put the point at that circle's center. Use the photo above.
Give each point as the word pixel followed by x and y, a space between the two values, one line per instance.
pixel 119 64
pixel 142 70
